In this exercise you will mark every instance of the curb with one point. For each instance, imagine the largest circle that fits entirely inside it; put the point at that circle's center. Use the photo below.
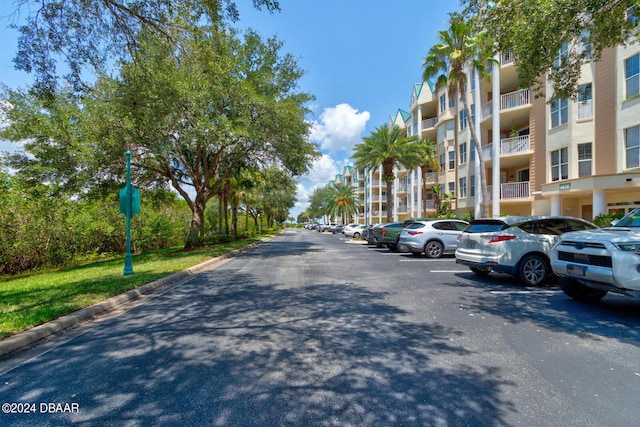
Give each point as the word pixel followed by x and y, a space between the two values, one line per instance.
pixel 29 337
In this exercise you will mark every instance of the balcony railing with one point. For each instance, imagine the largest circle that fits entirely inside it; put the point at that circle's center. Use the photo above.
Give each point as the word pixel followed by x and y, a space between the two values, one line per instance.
pixel 515 145
pixel 515 99
pixel 429 123
pixel 431 177
pixel 511 190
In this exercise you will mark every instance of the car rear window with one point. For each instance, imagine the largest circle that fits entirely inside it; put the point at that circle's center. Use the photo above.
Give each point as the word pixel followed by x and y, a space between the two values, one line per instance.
pixel 415 225
pixel 486 226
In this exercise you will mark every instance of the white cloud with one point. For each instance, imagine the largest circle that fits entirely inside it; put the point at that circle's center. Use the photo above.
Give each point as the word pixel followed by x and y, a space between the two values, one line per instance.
pixel 323 170
pixel 339 128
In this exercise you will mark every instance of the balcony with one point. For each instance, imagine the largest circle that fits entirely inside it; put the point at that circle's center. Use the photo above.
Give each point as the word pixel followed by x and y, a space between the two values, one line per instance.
pixel 429 123
pixel 510 146
pixel 519 98
pixel 512 190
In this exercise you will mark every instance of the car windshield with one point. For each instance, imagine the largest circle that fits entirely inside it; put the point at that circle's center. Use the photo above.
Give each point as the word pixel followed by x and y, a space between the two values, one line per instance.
pixel 632 219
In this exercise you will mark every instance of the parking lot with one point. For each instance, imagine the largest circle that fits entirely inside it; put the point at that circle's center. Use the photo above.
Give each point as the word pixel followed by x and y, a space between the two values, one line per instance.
pixel 313 329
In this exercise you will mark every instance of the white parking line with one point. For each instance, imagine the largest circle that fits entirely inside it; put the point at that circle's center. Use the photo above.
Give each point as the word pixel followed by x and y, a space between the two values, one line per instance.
pixel 527 292
pixel 447 271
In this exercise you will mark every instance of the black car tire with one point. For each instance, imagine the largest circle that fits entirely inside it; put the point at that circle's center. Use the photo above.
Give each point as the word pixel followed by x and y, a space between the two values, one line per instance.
pixel 356 235
pixel 480 271
pixel 533 270
pixel 433 249
pixel 579 292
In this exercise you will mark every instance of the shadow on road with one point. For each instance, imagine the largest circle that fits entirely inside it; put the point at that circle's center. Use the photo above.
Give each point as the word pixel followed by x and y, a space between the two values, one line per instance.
pixel 229 351
pixel 615 316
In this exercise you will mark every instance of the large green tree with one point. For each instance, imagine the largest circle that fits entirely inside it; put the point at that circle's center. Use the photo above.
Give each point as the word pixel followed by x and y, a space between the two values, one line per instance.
pixel 90 35
pixel 191 116
pixel 458 52
pixel 535 31
pixel 387 147
pixel 216 105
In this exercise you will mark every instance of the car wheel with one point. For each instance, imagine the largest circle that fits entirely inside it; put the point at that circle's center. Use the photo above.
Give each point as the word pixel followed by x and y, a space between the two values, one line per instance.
pixel 480 271
pixel 533 270
pixel 416 254
pixel 356 235
pixel 393 247
pixel 579 292
pixel 433 249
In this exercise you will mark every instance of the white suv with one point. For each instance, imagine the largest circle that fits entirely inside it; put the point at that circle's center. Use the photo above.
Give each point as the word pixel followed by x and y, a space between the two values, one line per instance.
pixel 517 245
pixel 591 263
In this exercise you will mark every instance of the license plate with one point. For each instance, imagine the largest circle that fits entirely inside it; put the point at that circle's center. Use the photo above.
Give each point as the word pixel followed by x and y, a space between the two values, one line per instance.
pixel 576 270
pixel 471 244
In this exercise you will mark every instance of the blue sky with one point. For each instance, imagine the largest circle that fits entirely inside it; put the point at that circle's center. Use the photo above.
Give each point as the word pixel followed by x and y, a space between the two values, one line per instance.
pixel 361 59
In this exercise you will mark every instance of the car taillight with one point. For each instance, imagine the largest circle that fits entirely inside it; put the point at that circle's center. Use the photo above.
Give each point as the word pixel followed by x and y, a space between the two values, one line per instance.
pixel 498 238
pixel 384 232
pixel 413 233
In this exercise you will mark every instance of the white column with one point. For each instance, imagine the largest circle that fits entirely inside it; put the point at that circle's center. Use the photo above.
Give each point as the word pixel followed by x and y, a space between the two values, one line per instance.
pixel 556 206
pixel 495 123
pixel 478 107
pixel 395 195
pixel 599 202
pixel 419 190
pixel 420 120
pixel 412 184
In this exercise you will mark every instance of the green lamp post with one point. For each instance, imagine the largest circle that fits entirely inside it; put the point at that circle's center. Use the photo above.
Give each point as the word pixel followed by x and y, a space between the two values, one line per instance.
pixel 129 206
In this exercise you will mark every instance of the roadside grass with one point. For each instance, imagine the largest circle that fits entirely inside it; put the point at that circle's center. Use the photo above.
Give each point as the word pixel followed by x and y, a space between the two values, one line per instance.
pixel 28 301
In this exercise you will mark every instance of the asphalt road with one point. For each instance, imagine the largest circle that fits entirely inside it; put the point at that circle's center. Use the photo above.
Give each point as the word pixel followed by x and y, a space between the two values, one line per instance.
pixel 309 330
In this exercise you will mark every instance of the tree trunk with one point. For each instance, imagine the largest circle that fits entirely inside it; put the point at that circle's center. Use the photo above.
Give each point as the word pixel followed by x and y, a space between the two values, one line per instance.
pixel 389 200
pixel 197 225
pixel 484 203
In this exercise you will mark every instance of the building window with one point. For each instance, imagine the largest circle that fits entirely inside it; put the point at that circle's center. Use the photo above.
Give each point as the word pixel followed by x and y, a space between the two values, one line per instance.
pixel 584 160
pixel 452 189
pixel 563 55
pixel 443 103
pixel 472 185
pixel 585 109
pixel 463 187
pixel 463 119
pixel 463 153
pixel 632 147
pixel 559 164
pixel 442 156
pixel 452 160
pixel 559 111
pixel 472 155
pixel 632 76
pixel 452 102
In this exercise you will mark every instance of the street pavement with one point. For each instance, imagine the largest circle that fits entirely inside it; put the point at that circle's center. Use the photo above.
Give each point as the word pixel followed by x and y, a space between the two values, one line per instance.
pixel 308 329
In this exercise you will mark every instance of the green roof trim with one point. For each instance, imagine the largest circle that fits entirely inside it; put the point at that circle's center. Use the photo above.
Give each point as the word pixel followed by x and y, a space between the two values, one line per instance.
pixel 417 88
pixel 405 115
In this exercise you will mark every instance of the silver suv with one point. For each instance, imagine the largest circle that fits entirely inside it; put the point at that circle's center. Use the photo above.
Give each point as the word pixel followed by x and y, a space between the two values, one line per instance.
pixel 517 245
pixel 591 263
pixel 433 238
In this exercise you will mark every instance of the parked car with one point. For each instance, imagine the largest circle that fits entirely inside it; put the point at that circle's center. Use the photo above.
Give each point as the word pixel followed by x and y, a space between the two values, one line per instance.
pixel 591 263
pixel 433 238
pixel 517 245
pixel 388 234
pixel 354 230
pixel 337 228
pixel 372 236
pixel 324 227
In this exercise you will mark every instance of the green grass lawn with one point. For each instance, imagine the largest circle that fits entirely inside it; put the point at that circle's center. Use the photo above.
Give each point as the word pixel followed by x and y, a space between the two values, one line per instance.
pixel 26 302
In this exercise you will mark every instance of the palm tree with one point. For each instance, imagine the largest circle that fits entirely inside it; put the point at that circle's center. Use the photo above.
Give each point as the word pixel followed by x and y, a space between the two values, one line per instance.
pixel 343 201
pixel 388 148
pixel 459 50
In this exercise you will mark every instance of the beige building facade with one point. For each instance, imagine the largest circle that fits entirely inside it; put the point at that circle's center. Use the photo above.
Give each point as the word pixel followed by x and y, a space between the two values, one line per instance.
pixel 544 156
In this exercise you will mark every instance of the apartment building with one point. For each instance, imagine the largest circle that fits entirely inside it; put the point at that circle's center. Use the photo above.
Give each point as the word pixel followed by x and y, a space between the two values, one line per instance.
pixel 544 156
